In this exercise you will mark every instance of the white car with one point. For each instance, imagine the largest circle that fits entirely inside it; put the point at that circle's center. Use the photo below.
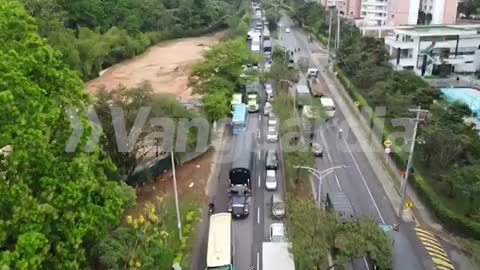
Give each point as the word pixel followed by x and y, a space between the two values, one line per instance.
pixel 272 134
pixel 269 89
pixel 267 109
pixel 271 180
pixel 267 67
pixel 287 30
pixel 272 120
pixel 277 232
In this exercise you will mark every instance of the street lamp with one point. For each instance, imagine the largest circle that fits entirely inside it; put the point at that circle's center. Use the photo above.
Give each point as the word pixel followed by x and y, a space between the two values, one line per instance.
pixel 179 221
pixel 320 175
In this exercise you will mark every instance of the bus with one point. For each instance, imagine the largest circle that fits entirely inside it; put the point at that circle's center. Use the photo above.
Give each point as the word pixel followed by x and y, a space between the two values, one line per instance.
pixel 239 118
pixel 220 242
pixel 242 162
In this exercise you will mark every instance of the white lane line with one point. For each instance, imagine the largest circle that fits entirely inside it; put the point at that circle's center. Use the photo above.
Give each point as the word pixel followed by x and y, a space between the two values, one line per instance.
pixel 258 260
pixel 366 263
pixel 259 117
pixel 259 134
pixel 259 183
pixel 258 215
pixel 258 154
pixel 329 158
pixel 364 181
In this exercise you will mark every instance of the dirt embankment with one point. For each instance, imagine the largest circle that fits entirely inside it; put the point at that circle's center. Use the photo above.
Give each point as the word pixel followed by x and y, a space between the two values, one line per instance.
pixel 165 66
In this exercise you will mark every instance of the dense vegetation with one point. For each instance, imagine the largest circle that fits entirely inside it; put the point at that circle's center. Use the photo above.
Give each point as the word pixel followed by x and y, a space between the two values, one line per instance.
pixel 447 152
pixel 93 35
pixel 469 8
pixel 55 205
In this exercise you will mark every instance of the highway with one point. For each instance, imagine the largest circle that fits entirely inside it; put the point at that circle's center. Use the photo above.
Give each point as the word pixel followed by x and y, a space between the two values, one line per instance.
pixel 358 179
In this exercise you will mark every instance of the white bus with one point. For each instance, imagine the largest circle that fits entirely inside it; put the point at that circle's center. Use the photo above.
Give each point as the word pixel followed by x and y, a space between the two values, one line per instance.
pixel 220 245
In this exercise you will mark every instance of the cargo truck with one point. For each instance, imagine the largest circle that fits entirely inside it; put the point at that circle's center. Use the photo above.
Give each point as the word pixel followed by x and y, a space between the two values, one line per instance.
pixel 277 256
pixel 315 86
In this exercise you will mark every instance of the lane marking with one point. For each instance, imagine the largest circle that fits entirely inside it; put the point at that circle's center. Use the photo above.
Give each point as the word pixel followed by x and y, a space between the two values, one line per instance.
pixel 366 263
pixel 325 148
pixel 258 260
pixel 258 154
pixel 259 134
pixel 258 215
pixel 259 118
pixel 363 179
pixel 259 183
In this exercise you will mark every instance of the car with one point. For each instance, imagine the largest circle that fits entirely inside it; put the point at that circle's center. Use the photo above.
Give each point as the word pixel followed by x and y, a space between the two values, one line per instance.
pixel 255 67
pixel 267 67
pixel 239 205
pixel 312 73
pixel 269 89
pixel 287 30
pixel 271 180
pixel 271 160
pixel 317 149
pixel 267 109
pixel 277 233
pixel 272 120
pixel 278 206
pixel 272 134
pixel 291 63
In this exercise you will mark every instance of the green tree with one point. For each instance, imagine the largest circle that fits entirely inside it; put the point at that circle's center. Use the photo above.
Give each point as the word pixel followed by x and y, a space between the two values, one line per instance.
pixel 467 180
pixel 55 204
pixel 216 105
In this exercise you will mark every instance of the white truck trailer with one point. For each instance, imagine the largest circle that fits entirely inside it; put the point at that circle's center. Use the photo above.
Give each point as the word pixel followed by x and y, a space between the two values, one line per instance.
pixel 276 256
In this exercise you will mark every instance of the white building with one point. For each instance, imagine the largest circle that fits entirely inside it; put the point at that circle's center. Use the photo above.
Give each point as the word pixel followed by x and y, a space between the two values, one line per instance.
pixel 431 50
pixel 374 12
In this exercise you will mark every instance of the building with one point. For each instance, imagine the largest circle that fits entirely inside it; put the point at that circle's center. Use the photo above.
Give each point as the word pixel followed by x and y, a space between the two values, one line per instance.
pixel 403 12
pixel 435 50
pixel 397 12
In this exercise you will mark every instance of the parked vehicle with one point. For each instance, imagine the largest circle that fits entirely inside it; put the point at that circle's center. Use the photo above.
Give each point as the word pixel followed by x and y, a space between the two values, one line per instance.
pixel 272 120
pixel 271 180
pixel 272 134
pixel 278 206
pixel 312 73
pixel 267 109
pixel 317 149
pixel 287 30
pixel 277 233
pixel 271 160
pixel 315 86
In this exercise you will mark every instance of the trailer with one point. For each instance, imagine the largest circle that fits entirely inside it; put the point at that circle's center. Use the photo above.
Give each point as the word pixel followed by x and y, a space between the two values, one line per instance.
pixel 276 256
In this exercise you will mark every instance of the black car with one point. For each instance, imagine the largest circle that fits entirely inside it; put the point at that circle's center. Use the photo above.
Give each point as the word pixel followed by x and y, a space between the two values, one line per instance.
pixel 239 205
pixel 271 160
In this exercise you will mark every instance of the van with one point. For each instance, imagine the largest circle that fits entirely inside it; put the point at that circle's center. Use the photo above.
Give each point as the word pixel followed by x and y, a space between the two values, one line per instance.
pixel 278 206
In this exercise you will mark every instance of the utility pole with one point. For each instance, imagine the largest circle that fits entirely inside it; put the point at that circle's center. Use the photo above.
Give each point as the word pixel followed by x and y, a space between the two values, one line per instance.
pixel 179 220
pixel 403 186
pixel 329 35
pixel 337 44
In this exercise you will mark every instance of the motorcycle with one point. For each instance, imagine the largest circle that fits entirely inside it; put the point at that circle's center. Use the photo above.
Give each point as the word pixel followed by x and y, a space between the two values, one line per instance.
pixel 211 208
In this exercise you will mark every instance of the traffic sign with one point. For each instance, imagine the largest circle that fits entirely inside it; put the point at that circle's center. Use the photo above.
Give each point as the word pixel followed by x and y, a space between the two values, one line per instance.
pixel 409 205
pixel 387 150
pixel 387 143
pixel 357 103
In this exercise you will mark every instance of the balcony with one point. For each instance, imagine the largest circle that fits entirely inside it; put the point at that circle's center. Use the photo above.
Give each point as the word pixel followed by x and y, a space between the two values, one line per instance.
pixel 403 44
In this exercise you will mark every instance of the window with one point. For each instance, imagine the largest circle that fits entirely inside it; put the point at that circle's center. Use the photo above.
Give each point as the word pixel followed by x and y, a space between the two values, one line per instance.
pixel 469 62
pixel 393 16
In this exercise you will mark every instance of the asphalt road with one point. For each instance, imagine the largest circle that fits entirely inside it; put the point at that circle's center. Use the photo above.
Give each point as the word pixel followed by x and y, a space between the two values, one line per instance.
pixel 358 179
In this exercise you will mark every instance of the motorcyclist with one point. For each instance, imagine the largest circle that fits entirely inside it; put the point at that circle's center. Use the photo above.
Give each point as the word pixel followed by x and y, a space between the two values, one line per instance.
pixel 211 207
pixel 340 132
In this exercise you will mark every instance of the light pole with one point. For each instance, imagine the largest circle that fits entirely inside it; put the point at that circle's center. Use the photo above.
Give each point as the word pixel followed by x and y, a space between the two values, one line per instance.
pixel 179 221
pixel 320 175
pixel 403 186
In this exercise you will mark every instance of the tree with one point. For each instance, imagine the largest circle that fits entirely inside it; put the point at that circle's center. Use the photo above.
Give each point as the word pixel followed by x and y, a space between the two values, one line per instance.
pixel 133 104
pixel 469 8
pixel 307 229
pixel 216 105
pixel 55 204
pixel 467 180
pixel 222 67
pixel 142 244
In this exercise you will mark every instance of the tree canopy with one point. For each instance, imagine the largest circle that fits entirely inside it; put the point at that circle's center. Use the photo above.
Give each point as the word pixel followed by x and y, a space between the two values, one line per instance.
pixel 55 204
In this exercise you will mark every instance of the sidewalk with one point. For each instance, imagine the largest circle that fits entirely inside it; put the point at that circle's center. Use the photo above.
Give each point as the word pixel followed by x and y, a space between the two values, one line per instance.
pixel 387 173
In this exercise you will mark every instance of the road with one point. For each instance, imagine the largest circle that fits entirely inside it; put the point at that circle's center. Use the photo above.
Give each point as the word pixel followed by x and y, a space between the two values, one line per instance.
pixel 358 180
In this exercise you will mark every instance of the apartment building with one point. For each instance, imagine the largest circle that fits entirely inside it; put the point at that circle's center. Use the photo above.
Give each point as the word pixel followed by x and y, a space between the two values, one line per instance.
pixel 397 12
pixel 433 50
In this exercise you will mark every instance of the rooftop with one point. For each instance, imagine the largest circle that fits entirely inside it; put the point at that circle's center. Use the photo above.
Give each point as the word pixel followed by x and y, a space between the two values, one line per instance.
pixel 439 30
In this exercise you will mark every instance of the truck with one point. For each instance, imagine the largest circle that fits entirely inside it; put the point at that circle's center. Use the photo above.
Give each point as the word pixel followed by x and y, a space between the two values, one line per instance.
pixel 302 94
pixel 255 47
pixel 315 86
pixel 328 106
pixel 277 256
